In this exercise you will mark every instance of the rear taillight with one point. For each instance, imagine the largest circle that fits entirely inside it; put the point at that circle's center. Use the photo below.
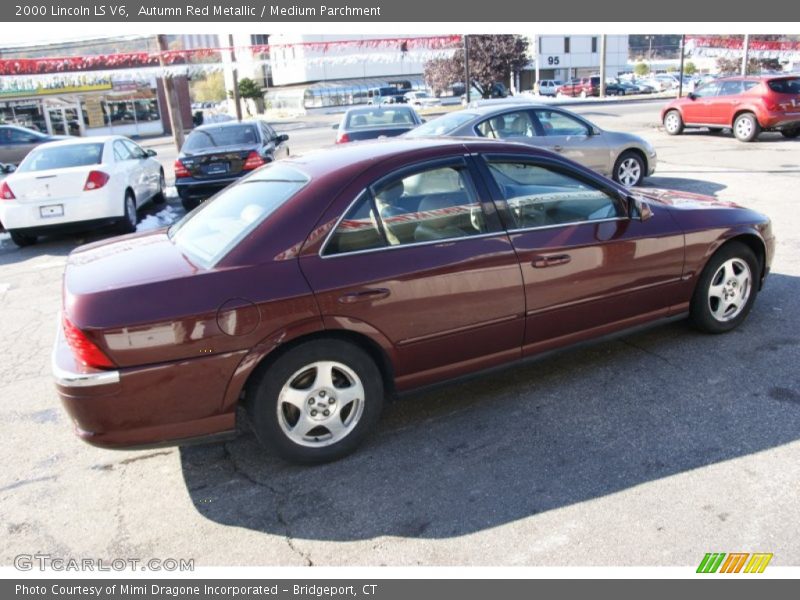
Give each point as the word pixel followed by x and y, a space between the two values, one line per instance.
pixel 95 181
pixel 343 138
pixel 6 193
pixel 181 170
pixel 253 161
pixel 83 348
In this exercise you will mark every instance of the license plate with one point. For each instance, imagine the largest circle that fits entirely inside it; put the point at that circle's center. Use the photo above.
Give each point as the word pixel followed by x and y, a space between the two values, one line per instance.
pixel 217 169
pixel 53 210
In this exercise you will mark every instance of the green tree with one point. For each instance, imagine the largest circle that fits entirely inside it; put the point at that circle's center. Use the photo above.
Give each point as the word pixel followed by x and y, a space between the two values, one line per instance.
pixel 641 69
pixel 689 68
pixel 210 88
pixel 249 89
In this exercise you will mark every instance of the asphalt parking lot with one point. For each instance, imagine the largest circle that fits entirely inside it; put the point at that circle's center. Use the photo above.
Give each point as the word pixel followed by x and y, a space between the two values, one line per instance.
pixel 651 449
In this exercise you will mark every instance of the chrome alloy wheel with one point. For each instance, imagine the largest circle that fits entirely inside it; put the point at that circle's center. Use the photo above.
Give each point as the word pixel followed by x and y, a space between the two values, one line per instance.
pixel 744 128
pixel 629 172
pixel 672 122
pixel 320 404
pixel 730 289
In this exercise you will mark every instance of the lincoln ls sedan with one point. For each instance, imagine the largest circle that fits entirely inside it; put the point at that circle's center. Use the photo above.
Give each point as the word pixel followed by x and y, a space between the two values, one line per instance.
pixel 317 286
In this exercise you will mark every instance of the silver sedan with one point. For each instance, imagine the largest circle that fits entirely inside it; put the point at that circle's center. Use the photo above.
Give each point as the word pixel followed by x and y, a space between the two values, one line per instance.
pixel 624 157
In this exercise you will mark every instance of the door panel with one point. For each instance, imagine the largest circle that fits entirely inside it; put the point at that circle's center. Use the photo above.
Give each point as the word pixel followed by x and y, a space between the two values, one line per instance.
pixel 416 259
pixel 565 135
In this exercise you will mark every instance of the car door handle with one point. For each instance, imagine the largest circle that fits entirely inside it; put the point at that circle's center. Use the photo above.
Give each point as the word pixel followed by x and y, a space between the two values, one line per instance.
pixel 558 148
pixel 552 260
pixel 363 296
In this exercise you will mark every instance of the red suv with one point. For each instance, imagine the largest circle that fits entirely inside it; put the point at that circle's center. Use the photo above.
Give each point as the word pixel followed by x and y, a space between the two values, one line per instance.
pixel 748 105
pixel 580 86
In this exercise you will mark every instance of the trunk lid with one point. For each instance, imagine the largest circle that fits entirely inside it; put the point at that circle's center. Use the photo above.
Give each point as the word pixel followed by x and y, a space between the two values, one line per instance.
pixel 217 162
pixel 55 184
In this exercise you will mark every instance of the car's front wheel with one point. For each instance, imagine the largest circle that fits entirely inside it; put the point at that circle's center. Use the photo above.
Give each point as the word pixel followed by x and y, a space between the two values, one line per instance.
pixel 22 239
pixel 629 169
pixel 160 196
pixel 673 123
pixel 129 219
pixel 746 127
pixel 317 402
pixel 726 289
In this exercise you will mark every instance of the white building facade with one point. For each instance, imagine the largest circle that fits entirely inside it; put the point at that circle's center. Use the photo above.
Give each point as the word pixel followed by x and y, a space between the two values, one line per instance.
pixel 565 56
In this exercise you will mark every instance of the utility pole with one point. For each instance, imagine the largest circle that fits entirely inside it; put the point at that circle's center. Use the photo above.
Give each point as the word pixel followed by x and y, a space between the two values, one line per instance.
pixel 235 74
pixel 680 74
pixel 745 52
pixel 467 84
pixel 603 66
pixel 174 113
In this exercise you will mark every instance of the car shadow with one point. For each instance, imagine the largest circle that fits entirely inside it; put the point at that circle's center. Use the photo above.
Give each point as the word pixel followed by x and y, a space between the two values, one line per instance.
pixel 683 184
pixel 576 426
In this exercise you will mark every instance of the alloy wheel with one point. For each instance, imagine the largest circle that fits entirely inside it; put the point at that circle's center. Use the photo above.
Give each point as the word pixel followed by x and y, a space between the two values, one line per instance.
pixel 730 289
pixel 629 172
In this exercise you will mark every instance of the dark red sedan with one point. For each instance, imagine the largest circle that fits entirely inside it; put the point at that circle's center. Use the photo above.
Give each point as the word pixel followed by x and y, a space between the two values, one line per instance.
pixel 317 286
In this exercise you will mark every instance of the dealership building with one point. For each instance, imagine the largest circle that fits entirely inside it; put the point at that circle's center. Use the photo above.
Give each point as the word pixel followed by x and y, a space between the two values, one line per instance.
pixel 563 57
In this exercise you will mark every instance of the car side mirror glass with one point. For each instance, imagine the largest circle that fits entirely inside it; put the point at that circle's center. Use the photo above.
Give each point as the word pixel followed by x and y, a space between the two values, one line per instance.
pixel 9 168
pixel 284 137
pixel 691 96
pixel 638 210
pixel 150 152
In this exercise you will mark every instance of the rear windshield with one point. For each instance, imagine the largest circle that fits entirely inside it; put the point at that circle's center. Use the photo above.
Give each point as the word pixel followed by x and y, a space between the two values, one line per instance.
pixel 214 228
pixel 62 157
pixel 379 117
pixel 442 125
pixel 785 86
pixel 217 137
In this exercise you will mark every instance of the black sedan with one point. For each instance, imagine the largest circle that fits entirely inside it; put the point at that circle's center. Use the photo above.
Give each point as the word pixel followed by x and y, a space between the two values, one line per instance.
pixel 370 122
pixel 214 156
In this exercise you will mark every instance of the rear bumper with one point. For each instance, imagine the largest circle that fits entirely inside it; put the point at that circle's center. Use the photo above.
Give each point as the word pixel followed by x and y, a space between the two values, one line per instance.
pixel 71 227
pixel 82 212
pixel 780 120
pixel 200 189
pixel 148 406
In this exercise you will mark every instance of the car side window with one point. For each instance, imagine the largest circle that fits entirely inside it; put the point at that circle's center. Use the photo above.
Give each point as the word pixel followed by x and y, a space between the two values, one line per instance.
pixel 434 204
pixel 16 136
pixel 557 123
pixel 707 90
pixel 730 88
pixel 749 85
pixel 508 125
pixel 134 150
pixel 121 151
pixel 539 196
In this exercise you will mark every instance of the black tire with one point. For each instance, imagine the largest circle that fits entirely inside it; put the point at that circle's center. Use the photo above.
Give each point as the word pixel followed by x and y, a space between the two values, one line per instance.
pixel 189 203
pixel 700 311
pixel 127 224
pixel 627 159
pixel 160 196
pixel 673 122
pixel 22 239
pixel 263 401
pixel 746 127
pixel 790 133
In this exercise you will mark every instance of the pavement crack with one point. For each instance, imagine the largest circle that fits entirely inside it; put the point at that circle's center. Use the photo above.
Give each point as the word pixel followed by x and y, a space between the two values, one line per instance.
pixel 664 359
pixel 279 502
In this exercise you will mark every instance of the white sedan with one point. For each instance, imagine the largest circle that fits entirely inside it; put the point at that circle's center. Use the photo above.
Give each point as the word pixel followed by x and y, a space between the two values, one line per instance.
pixel 78 184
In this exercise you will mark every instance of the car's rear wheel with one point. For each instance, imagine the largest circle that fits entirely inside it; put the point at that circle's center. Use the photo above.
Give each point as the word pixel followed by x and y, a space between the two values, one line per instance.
pixel 791 133
pixel 673 123
pixel 629 169
pixel 189 204
pixel 160 196
pixel 317 402
pixel 129 220
pixel 22 239
pixel 726 290
pixel 746 127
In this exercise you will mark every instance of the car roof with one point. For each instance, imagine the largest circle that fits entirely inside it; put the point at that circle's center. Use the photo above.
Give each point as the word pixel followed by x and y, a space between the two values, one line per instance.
pixel 229 124
pixel 95 139
pixel 500 106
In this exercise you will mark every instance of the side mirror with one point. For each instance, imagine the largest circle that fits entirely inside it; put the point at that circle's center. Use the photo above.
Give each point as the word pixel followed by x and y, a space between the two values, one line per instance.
pixel 150 152
pixel 595 131
pixel 638 210
pixel 8 169
pixel 691 96
pixel 283 137
pixel 424 120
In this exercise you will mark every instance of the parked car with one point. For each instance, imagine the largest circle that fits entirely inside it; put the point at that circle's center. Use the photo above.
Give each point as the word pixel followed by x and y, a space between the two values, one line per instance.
pixel 214 156
pixel 386 95
pixel 747 105
pixel 312 289
pixel 549 87
pixel 370 122
pixel 16 142
pixel 78 184
pixel 625 157
pixel 580 87
pixel 615 88
pixel 421 99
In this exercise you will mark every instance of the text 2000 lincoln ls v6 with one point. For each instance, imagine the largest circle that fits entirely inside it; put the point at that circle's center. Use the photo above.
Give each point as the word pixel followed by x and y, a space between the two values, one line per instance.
pixel 317 286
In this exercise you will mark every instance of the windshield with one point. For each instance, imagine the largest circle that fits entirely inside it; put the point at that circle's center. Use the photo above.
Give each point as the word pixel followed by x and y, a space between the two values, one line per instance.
pixel 62 157
pixel 441 126
pixel 224 135
pixel 379 117
pixel 209 232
